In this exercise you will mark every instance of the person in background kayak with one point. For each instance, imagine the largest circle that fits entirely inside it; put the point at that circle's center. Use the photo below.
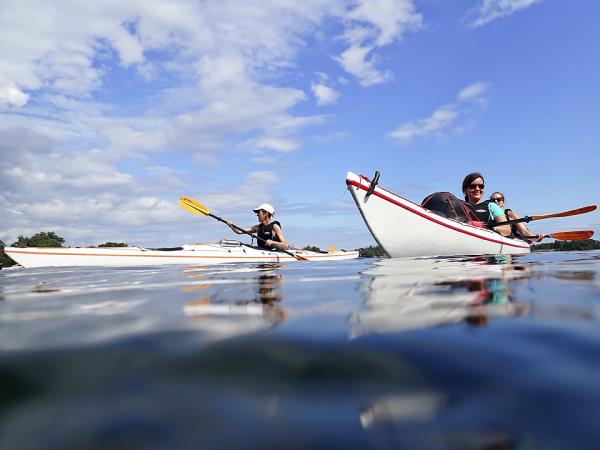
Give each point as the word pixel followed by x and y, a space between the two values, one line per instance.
pixel 517 229
pixel 488 212
pixel 270 235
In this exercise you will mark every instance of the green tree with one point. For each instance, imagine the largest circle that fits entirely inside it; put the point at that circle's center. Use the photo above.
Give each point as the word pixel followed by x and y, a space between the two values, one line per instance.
pixel 587 244
pixel 373 251
pixel 113 244
pixel 5 260
pixel 43 239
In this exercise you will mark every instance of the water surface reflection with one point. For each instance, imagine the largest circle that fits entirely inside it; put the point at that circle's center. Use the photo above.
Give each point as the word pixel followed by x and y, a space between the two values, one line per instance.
pixel 405 294
pixel 225 311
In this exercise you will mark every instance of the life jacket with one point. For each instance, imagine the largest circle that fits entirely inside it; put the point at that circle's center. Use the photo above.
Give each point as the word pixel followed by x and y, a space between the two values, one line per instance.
pixel 483 213
pixel 447 205
pixel 265 232
pixel 513 226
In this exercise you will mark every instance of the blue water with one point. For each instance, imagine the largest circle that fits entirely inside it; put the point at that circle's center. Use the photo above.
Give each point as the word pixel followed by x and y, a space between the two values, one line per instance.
pixel 454 353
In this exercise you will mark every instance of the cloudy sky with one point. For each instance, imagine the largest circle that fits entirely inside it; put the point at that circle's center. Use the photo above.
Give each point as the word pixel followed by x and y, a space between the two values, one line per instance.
pixel 111 110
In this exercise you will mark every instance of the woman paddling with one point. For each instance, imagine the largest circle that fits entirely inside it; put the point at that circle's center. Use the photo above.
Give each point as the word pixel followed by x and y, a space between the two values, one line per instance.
pixel 270 235
pixel 517 229
pixel 488 212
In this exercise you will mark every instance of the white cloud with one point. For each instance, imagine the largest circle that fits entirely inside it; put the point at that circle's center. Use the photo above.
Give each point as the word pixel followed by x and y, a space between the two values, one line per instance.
pixel 324 94
pixel 473 91
pixel 10 95
pixel 444 119
pixel 355 61
pixel 374 24
pixel 277 144
pixel 437 122
pixel 96 96
pixel 387 20
pixel 490 10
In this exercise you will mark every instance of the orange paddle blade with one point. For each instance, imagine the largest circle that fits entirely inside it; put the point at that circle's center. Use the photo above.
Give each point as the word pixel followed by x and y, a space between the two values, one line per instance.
pixel 573 212
pixel 567 235
pixel 572 235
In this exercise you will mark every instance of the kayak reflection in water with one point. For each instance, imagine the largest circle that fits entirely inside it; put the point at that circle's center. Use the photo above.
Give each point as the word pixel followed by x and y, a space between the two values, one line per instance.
pixel 490 297
pixel 517 229
pixel 224 311
pixel 270 235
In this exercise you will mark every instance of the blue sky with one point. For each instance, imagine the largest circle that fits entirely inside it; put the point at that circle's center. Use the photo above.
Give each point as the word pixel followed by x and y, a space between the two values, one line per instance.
pixel 111 110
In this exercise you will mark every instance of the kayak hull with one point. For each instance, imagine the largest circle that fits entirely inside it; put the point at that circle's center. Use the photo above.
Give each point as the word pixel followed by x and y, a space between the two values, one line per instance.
pixel 201 254
pixel 404 229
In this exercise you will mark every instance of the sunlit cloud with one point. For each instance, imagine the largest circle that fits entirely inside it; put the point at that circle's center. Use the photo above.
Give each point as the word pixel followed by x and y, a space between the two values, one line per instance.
pixel 373 24
pixel 490 10
pixel 445 119
pixel 96 96
pixel 324 94
pixel 473 91
pixel 434 124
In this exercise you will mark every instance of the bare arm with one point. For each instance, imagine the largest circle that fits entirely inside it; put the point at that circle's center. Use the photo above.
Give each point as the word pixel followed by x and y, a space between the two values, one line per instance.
pixel 522 228
pixel 278 233
pixel 504 230
pixel 240 230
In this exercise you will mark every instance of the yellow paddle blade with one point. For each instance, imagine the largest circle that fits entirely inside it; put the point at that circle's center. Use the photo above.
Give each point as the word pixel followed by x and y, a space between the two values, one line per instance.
pixel 192 205
pixel 331 248
pixel 191 208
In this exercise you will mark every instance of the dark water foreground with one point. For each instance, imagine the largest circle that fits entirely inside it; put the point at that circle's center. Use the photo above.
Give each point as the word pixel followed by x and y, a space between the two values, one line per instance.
pixel 478 353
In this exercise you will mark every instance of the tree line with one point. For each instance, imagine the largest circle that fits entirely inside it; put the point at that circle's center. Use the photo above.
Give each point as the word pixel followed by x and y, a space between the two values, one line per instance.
pixel 42 239
pixel 587 244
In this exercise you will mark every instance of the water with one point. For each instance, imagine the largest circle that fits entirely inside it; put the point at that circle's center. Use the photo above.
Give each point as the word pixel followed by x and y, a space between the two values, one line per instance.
pixel 455 353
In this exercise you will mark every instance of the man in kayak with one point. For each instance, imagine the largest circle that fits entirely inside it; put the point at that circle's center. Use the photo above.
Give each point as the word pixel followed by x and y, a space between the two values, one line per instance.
pixel 517 229
pixel 270 235
pixel 488 212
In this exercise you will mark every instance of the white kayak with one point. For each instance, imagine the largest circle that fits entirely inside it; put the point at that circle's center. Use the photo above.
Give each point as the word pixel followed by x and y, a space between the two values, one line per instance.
pixel 225 251
pixel 405 229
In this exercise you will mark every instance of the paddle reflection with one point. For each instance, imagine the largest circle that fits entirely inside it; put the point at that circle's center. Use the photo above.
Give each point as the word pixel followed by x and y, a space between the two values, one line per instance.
pixel 244 300
pixel 419 293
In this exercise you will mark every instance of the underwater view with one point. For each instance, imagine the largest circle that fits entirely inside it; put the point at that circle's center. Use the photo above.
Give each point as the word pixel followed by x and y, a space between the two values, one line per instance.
pixel 433 353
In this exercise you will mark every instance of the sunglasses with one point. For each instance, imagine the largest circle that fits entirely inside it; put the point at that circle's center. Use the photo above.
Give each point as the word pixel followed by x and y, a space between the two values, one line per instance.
pixel 476 185
pixel 498 199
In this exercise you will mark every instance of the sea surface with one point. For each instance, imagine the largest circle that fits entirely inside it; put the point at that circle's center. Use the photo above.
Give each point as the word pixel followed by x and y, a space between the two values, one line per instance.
pixel 452 353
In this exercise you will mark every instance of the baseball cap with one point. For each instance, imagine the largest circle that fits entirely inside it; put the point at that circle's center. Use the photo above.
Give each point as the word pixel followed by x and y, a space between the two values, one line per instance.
pixel 265 207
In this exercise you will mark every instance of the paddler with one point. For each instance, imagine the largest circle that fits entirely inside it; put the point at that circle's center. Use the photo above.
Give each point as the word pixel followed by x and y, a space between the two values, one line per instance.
pixel 488 212
pixel 269 232
pixel 517 229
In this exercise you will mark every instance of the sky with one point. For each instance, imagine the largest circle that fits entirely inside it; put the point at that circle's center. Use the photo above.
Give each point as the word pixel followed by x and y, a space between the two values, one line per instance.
pixel 111 110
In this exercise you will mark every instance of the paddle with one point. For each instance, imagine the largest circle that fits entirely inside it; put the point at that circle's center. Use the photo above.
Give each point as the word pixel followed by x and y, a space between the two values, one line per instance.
pixel 527 219
pixel 196 207
pixel 566 235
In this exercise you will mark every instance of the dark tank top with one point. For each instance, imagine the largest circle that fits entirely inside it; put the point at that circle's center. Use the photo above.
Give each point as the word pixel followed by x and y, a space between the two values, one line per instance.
pixel 483 213
pixel 265 232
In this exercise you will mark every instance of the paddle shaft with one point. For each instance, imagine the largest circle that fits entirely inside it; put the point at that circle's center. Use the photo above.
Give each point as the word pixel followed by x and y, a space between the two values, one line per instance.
pixel 525 219
pixel 528 219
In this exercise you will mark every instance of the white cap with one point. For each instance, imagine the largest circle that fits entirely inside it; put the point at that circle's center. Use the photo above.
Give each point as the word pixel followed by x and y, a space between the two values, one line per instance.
pixel 265 207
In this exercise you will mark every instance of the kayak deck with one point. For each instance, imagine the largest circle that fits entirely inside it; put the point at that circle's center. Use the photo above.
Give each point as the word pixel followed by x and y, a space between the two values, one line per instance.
pixel 222 252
